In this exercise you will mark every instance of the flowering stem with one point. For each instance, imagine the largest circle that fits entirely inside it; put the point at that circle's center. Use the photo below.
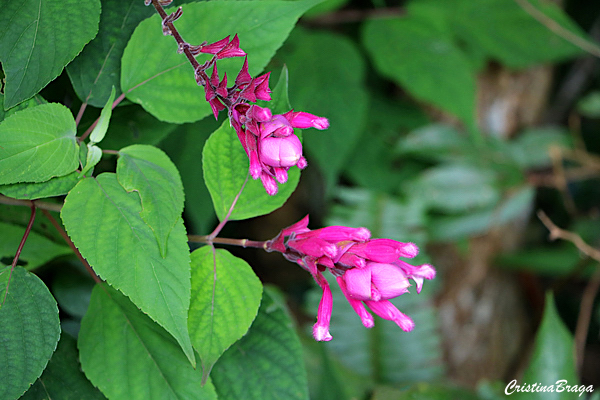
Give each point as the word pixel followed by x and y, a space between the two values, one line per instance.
pixel 20 248
pixel 233 203
pixel 233 242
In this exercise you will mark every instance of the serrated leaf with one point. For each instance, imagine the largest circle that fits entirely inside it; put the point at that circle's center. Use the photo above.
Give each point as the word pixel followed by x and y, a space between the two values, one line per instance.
pixel 38 250
pixel 225 299
pixel 37 144
pixel 266 363
pixel 56 186
pixel 99 215
pixel 30 330
pixel 94 154
pixel 38 38
pixel 128 356
pixel 62 378
pixel 324 86
pixel 149 171
pixel 423 60
pixel 225 165
pixel 34 101
pixel 169 90
pixel 553 357
pixel 102 125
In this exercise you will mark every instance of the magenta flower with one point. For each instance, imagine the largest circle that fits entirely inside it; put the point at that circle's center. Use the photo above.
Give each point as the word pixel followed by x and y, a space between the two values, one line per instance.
pixel 368 271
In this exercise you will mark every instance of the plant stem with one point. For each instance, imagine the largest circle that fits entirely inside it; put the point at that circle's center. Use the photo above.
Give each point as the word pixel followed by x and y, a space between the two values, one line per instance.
pixel 233 242
pixel 233 203
pixel 39 204
pixel 67 239
pixel 20 248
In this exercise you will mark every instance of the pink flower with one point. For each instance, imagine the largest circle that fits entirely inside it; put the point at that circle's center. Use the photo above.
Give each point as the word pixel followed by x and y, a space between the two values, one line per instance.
pixel 368 271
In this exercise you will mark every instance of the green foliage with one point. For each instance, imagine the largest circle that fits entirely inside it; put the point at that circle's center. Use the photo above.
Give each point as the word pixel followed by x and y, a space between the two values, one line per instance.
pixel 266 363
pixel 38 38
pixel 37 144
pixel 136 359
pixel 169 91
pixel 225 300
pixel 100 214
pixel 30 330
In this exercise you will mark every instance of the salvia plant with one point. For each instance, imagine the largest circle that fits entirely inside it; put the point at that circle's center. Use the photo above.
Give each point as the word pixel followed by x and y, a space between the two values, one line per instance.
pixel 160 319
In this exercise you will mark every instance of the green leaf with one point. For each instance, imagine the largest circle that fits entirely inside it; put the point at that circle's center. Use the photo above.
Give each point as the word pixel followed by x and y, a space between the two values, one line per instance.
pixel 72 288
pixel 324 86
pixel 37 144
pixel 498 28
pixel 425 61
pixel 162 81
pixel 98 68
pixel 225 165
pixel 30 330
pixel 149 171
pixel 34 101
pixel 62 378
pixel 225 298
pixel 38 38
pixel 128 356
pixel 102 125
pixel 553 357
pixel 104 222
pixel 38 250
pixel 266 363
pixel 94 154
pixel 56 186
pixel 532 148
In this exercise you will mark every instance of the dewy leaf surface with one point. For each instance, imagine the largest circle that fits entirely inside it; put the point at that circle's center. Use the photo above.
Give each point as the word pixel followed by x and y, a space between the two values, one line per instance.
pixel 128 356
pixel 37 144
pixel 225 299
pixel 30 330
pixel 104 222
pixel 38 38
pixel 266 363
pixel 169 90
pixel 151 173
pixel 225 166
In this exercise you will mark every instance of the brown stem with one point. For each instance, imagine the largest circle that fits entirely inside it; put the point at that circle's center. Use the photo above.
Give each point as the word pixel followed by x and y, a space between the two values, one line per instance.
pixel 20 248
pixel 39 204
pixel 585 315
pixel 67 239
pixel 233 242
pixel 558 233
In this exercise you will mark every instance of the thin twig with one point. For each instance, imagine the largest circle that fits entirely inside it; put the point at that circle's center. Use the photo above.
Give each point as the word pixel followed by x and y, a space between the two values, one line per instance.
pixel 555 27
pixel 245 243
pixel 39 204
pixel 558 233
pixel 20 248
pixel 585 315
pixel 222 223
pixel 68 240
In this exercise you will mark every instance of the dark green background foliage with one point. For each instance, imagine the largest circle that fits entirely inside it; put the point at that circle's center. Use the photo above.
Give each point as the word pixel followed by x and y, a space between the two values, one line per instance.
pixel 452 123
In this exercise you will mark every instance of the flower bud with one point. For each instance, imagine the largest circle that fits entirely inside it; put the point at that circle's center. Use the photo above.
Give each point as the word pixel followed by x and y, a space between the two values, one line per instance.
pixel 280 152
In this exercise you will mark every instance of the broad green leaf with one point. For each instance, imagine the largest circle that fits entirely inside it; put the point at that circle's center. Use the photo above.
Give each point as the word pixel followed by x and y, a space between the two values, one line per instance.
pixel 37 144
pixel 553 357
pixel 266 363
pixel 322 85
pixel 94 154
pixel 225 298
pixel 498 27
pixel 72 288
pixel 99 215
pixel 30 330
pixel 128 356
pixel 162 81
pixel 56 186
pixel 34 101
pixel 457 188
pixel 532 148
pixel 149 171
pixel 429 391
pixel 425 61
pixel 588 105
pixel 38 38
pixel 435 141
pixel 62 378
pixel 225 165
pixel 102 126
pixel 38 250
pixel 184 147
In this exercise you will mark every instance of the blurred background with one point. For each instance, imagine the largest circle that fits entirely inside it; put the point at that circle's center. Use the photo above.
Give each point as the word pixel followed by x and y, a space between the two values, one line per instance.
pixel 452 124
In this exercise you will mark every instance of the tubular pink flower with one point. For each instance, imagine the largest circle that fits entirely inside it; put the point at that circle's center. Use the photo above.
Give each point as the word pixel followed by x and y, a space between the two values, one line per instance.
pixel 357 305
pixel 280 152
pixel 387 310
pixel 305 120
pixel 269 183
pixel 321 328
pixel 281 175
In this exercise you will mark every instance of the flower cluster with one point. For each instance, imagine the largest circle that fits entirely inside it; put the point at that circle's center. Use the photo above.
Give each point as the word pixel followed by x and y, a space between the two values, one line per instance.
pixel 368 271
pixel 269 140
